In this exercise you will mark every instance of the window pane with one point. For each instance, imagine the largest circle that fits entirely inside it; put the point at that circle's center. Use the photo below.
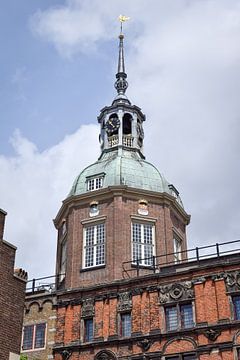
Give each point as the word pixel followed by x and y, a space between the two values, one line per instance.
pixel 100 248
pixel 142 243
pixel 99 182
pixel 177 246
pixel 63 256
pixel 186 316
pixel 147 234
pixel 89 251
pixel 126 325
pixel 89 246
pixel 40 336
pixel 148 247
pixel 190 357
pixel 89 235
pixel 27 337
pixel 136 252
pixel 236 305
pixel 90 184
pixel 171 318
pixel 136 232
pixel 100 233
pixel 94 245
pixel 88 330
pixel 172 358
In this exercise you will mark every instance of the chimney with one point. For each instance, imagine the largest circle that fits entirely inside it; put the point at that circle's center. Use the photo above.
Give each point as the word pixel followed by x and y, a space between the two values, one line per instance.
pixel 2 222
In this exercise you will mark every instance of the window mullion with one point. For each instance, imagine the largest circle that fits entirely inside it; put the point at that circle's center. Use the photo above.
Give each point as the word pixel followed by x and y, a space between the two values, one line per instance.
pixel 34 334
pixel 142 244
pixel 95 245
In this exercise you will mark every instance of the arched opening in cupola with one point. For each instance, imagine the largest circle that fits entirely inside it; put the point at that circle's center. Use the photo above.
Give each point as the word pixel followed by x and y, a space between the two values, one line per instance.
pixel 112 125
pixel 127 124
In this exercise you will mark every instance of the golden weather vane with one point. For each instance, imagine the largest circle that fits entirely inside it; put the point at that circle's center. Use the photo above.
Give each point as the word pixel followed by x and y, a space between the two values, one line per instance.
pixel 122 19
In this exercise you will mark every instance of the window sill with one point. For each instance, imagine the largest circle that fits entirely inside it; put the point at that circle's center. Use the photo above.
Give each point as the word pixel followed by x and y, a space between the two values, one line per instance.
pixel 141 266
pixel 92 268
pixel 32 350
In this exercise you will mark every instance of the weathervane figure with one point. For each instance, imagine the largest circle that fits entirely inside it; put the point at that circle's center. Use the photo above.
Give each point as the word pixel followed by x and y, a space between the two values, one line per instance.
pixel 122 19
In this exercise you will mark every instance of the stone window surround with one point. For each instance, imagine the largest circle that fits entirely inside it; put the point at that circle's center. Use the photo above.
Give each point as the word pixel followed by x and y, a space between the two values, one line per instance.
pixel 97 179
pixel 33 341
pixel 93 223
pixel 178 306
pixel 143 221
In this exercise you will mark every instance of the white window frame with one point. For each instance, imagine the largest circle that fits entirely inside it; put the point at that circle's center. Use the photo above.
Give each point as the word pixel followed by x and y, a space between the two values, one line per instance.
pixel 95 245
pixel 177 249
pixel 63 264
pixel 33 339
pixel 142 244
pixel 95 183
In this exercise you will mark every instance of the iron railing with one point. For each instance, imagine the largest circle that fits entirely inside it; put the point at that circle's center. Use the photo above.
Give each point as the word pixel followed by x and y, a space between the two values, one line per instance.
pixel 158 264
pixel 195 255
pixel 44 284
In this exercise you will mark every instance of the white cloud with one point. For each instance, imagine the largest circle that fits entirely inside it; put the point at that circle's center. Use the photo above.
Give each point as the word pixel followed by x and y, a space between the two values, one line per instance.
pixel 33 184
pixel 183 61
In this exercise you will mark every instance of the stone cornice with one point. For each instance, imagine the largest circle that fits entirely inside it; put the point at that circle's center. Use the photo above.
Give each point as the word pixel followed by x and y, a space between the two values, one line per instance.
pixel 152 282
pixel 136 338
pixel 123 190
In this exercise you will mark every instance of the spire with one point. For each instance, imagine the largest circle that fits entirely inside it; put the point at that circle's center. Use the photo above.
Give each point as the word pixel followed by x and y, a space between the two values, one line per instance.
pixel 121 83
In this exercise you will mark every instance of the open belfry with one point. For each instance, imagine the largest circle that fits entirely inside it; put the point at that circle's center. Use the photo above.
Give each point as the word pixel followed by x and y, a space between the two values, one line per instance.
pixel 127 286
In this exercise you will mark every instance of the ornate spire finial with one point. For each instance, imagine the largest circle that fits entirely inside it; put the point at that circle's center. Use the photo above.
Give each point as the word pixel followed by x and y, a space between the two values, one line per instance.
pixel 121 84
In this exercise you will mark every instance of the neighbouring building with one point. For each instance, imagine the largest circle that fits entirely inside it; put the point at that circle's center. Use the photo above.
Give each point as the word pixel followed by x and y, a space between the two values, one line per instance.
pixel 127 285
pixel 39 326
pixel 12 294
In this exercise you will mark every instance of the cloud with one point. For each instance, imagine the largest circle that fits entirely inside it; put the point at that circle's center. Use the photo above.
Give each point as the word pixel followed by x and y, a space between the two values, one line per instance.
pixel 184 71
pixel 33 184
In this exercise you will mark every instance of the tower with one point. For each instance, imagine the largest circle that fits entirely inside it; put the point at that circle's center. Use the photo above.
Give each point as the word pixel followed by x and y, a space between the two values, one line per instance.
pixel 121 213
pixel 127 286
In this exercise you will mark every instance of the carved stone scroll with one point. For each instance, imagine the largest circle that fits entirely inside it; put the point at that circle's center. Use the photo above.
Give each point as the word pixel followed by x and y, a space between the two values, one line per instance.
pixel 175 292
pixel 232 281
pixel 124 302
pixel 88 308
pixel 212 334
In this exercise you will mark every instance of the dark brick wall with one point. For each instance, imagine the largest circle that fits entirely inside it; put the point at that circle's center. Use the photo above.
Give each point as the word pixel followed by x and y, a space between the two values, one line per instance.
pixel 12 293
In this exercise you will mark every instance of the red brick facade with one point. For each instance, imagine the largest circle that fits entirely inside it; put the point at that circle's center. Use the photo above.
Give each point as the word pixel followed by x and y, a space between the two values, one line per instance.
pixel 12 295
pixel 209 286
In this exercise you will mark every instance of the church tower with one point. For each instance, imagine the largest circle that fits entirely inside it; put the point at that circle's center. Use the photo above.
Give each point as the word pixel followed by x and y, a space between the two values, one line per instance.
pixel 121 216
pixel 127 286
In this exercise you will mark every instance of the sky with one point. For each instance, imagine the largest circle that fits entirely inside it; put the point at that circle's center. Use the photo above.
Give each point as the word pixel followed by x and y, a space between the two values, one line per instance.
pixel 58 63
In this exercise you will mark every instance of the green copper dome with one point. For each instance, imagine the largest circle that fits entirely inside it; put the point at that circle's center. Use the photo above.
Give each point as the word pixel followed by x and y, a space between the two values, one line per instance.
pixel 125 169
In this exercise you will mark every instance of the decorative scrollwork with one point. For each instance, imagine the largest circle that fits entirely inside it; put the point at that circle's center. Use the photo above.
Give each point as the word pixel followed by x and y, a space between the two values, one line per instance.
pixel 105 355
pixel 125 301
pixel 88 308
pixel 232 281
pixel 212 334
pixel 66 354
pixel 176 292
pixel 145 344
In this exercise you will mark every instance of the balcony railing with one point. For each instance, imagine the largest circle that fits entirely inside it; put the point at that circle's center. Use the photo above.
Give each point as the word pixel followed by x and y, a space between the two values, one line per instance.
pixel 127 140
pixel 159 264
pixel 44 284
pixel 186 258
pixel 113 141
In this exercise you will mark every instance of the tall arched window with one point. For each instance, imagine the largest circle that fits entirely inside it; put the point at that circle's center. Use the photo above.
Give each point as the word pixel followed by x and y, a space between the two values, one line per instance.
pixel 127 124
